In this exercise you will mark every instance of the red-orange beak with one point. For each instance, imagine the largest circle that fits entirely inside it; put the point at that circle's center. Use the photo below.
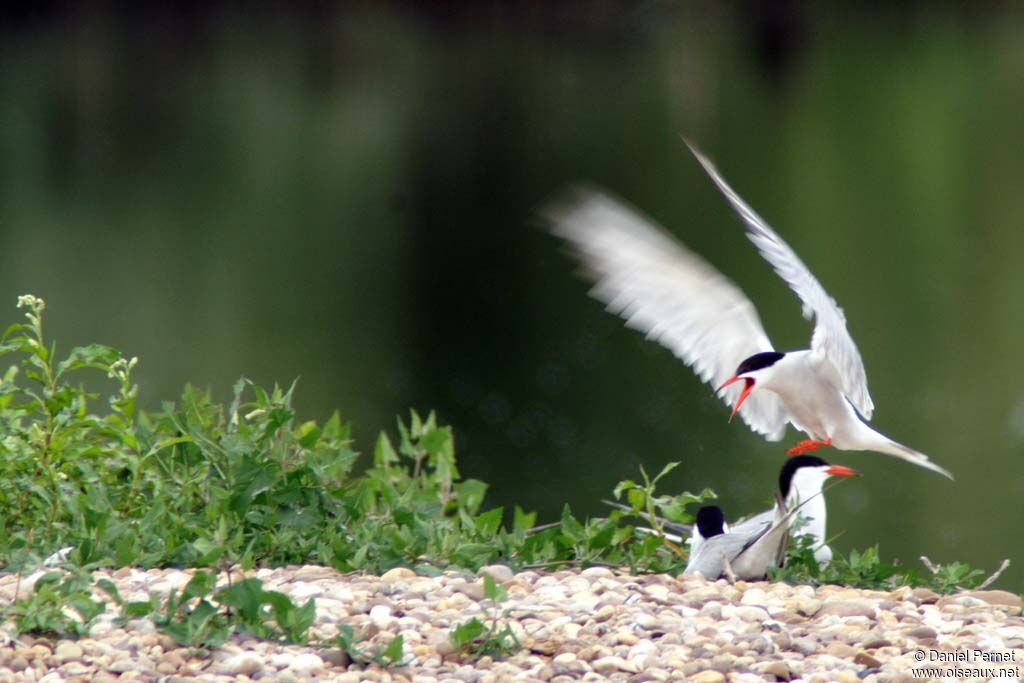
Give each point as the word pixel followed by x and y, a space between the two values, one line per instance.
pixel 743 394
pixel 841 471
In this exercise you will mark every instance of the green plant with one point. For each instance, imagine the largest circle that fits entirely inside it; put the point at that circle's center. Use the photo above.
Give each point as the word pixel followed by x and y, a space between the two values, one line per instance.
pixel 643 501
pixel 348 642
pixel 865 569
pixel 202 616
pixel 60 604
pixel 475 638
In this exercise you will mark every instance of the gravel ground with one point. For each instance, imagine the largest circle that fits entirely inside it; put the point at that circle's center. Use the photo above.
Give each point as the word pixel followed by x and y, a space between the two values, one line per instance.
pixel 595 624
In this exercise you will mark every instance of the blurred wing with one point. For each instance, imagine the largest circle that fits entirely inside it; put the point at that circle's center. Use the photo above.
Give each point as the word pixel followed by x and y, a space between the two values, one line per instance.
pixel 664 290
pixel 831 340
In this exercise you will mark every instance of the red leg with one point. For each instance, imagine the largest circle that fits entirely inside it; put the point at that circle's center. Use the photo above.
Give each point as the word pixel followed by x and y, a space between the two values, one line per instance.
pixel 808 446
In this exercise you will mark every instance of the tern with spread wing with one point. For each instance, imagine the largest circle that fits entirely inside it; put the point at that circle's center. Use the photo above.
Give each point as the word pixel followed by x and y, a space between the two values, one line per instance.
pixel 668 292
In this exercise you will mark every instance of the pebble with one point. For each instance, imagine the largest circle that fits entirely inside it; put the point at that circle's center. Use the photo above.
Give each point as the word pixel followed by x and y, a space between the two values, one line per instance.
pixel 708 676
pixel 67 651
pixel 499 572
pixel 847 608
pixel 593 624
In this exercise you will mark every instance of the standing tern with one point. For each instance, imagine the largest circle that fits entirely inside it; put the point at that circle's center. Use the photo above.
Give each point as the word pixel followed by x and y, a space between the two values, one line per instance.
pixel 752 546
pixel 665 290
pixel 801 480
pixel 800 484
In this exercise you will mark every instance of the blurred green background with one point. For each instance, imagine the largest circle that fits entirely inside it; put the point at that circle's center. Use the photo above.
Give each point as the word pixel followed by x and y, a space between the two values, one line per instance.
pixel 348 195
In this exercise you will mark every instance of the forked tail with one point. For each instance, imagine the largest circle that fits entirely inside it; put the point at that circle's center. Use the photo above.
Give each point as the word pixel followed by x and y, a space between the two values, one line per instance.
pixel 890 447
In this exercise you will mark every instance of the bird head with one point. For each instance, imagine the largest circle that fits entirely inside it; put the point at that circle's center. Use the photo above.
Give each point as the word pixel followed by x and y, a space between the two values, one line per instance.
pixel 754 371
pixel 710 521
pixel 802 477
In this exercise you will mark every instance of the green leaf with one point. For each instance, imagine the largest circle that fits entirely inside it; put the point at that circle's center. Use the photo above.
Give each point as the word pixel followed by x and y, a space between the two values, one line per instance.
pixel 394 651
pixel 384 453
pixel 464 634
pixel 201 584
pixel 487 523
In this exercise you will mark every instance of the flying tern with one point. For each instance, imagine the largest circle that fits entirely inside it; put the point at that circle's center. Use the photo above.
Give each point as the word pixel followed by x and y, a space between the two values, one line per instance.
pixel 665 290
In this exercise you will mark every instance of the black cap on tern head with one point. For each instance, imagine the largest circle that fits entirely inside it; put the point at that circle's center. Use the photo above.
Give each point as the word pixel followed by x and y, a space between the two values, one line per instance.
pixel 792 465
pixel 758 361
pixel 710 521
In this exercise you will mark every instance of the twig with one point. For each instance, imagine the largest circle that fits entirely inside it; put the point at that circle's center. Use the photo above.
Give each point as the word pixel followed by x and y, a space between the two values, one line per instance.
pixel 988 582
pixel 674 548
pixel 730 575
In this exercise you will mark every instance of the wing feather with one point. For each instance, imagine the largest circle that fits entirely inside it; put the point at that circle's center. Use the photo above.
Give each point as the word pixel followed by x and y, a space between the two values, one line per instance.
pixel 830 340
pixel 669 293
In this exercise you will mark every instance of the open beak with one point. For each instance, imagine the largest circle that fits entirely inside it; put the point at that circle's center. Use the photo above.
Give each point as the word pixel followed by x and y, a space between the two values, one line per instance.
pixel 743 394
pixel 841 471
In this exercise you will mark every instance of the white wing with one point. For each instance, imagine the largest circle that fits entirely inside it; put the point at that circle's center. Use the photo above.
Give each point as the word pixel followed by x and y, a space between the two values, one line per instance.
pixel 831 339
pixel 663 289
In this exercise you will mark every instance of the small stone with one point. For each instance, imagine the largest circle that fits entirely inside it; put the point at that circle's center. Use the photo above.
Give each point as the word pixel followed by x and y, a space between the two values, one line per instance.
pixel 866 660
pixel 657 592
pixel 39 651
pixel 100 629
pixel 754 596
pixel 74 669
pixel 805 646
pixel 67 651
pixel 545 647
pixel 708 676
pixel 306 662
pixel 380 613
pixel 922 633
pixel 874 643
pixel 245 663
pixel 397 575
pixel 925 596
pixel 335 657
pixel 611 664
pixel 473 591
pixel 122 666
pixel 751 614
pixel 779 669
pixel 847 608
pixel 165 668
pixel 841 650
pixel 997 597
pixel 499 572
pixel 807 606
pixel 597 573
